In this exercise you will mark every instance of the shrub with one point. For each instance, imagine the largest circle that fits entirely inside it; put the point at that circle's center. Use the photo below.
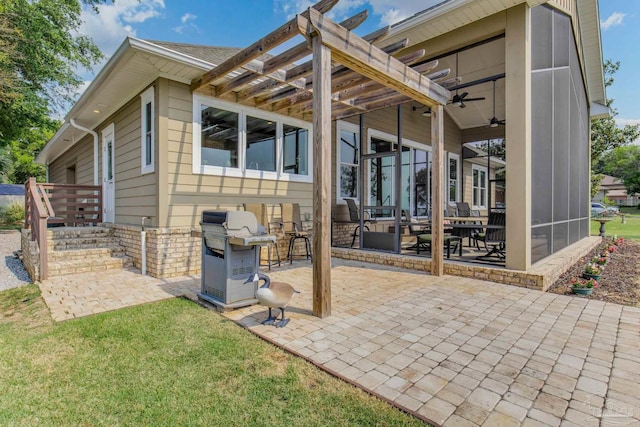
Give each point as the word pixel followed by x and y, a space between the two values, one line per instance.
pixel 12 214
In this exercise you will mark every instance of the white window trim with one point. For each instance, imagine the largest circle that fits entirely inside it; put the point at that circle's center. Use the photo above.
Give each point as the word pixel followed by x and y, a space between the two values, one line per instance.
pixel 486 187
pixel 349 127
pixel 456 157
pixel 145 98
pixel 241 171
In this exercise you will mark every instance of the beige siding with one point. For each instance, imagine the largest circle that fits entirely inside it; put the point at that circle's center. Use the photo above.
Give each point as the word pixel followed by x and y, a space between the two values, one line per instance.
pixel 189 194
pixel 136 194
pixel 80 157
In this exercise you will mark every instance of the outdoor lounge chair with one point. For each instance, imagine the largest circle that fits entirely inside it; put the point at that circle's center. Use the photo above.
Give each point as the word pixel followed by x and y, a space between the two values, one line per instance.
pixel 292 226
pixel 494 237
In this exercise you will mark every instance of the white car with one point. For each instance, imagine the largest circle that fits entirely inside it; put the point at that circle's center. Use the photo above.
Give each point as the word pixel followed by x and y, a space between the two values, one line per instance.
pixel 599 209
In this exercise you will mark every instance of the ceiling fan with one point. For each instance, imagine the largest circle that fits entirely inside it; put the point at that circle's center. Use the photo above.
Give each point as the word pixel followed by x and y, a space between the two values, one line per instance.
pixel 460 99
pixel 494 122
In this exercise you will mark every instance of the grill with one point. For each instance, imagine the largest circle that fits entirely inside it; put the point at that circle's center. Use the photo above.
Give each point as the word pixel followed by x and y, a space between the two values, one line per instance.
pixel 230 257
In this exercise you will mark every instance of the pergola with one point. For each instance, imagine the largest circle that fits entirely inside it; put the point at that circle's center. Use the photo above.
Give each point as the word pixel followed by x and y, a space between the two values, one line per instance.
pixel 346 76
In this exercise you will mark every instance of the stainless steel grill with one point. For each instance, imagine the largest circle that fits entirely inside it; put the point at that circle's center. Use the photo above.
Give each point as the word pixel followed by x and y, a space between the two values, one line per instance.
pixel 230 257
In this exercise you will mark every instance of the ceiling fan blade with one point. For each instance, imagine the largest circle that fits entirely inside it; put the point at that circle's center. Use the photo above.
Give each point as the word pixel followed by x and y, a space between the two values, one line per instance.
pixel 463 95
pixel 481 98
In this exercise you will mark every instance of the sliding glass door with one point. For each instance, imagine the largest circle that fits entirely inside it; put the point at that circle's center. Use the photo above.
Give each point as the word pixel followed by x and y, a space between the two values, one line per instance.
pixel 415 194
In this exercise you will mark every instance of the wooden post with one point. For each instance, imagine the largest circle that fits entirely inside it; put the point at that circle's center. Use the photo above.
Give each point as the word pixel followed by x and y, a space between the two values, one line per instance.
pixel 437 190
pixel 321 178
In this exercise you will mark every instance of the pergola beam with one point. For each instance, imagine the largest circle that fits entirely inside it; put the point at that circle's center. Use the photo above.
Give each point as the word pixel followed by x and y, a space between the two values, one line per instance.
pixel 370 61
pixel 271 67
pixel 339 72
pixel 341 84
pixel 265 44
pixel 297 72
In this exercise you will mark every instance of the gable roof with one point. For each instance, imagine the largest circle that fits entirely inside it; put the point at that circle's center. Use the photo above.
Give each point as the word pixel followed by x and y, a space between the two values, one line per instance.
pixel 133 67
pixel 211 54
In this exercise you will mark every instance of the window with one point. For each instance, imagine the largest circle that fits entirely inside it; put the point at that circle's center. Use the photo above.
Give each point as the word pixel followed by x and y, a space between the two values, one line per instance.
pixel 147 126
pixel 295 150
pixel 261 144
pixel 453 173
pixel 219 137
pixel 479 187
pixel 232 140
pixel 348 160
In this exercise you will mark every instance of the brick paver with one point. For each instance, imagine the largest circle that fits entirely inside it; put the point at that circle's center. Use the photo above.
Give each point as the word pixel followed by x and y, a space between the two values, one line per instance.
pixel 454 351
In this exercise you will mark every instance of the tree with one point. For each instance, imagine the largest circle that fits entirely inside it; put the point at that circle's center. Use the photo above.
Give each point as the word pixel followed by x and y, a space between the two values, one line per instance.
pixel 623 163
pixel 40 53
pixel 605 134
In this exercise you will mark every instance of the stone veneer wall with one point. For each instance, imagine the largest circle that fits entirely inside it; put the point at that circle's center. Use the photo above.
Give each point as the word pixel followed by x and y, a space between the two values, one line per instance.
pixel 171 252
pixel 541 276
pixel 30 255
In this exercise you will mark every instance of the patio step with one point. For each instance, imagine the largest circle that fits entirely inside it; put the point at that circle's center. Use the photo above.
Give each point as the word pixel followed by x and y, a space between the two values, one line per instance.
pixel 82 249
pixel 88 253
pixel 62 268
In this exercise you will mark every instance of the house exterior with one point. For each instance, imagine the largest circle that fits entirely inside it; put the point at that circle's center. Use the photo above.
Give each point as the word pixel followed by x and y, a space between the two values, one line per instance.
pixel 164 152
pixel 613 189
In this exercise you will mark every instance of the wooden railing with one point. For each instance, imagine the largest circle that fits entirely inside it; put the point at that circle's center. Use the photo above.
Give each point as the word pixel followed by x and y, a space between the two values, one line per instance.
pixel 61 204
pixel 74 204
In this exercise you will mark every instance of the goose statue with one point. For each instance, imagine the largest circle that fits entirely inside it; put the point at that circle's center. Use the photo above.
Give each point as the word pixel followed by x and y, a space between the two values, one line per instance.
pixel 274 295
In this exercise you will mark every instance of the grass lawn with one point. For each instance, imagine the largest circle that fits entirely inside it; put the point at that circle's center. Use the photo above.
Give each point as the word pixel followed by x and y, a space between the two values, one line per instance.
pixel 167 363
pixel 629 230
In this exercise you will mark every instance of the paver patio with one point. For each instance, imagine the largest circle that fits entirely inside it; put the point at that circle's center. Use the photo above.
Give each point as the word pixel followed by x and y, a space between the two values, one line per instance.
pixel 453 351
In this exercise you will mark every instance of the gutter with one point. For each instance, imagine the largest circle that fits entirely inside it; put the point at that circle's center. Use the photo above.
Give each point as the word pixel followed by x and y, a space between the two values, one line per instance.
pixel 95 148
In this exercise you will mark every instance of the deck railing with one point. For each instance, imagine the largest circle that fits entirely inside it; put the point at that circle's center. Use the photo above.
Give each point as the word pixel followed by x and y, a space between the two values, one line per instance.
pixel 59 204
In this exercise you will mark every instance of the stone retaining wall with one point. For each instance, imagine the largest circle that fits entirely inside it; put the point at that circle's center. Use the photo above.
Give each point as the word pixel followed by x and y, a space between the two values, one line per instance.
pixel 30 255
pixel 171 252
pixel 541 276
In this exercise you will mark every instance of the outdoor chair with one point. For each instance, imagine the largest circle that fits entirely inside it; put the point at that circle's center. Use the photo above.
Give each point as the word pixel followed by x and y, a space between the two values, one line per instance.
pixel 292 227
pixel 354 217
pixel 260 211
pixel 465 211
pixel 450 242
pixel 494 237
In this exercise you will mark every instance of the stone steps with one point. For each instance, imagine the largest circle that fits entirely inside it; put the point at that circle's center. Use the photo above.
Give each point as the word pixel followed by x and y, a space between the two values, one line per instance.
pixel 74 250
pixel 87 253
pixel 61 268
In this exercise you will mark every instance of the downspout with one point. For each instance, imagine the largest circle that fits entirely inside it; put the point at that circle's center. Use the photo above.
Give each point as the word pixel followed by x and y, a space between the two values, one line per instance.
pixel 95 148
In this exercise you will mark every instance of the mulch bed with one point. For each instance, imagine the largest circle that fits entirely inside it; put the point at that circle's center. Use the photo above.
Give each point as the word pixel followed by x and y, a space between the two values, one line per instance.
pixel 619 282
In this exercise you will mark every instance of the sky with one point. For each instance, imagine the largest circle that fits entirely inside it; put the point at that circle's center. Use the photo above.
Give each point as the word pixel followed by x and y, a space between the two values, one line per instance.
pixel 239 23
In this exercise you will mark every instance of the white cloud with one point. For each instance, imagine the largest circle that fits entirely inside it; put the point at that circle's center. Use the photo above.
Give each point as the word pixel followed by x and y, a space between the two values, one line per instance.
pixel 613 20
pixel 187 24
pixel 188 17
pixel 116 20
